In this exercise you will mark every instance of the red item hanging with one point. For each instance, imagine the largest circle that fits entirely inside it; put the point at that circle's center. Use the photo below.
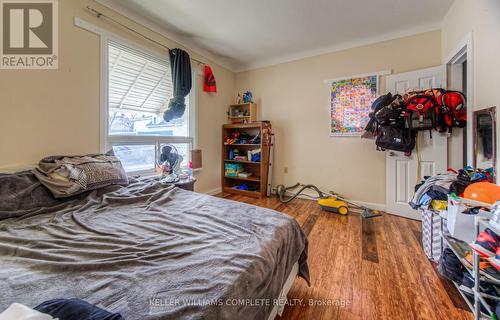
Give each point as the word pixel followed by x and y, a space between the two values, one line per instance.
pixel 209 84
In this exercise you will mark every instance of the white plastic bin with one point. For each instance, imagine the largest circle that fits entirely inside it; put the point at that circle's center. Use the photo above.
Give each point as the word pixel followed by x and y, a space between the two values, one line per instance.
pixel 460 225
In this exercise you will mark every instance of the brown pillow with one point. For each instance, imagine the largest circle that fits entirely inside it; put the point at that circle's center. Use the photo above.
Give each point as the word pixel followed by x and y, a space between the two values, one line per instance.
pixel 66 176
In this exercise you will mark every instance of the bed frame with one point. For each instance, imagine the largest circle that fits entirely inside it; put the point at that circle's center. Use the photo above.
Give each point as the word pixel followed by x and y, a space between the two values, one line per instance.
pixel 278 308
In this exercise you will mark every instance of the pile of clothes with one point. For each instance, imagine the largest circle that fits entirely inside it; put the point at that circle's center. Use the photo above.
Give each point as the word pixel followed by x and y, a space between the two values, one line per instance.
pixel 432 188
pixel 432 191
pixel 468 176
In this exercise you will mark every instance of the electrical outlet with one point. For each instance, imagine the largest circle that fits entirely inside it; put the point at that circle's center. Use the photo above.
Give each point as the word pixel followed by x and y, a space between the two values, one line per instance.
pixel 285 170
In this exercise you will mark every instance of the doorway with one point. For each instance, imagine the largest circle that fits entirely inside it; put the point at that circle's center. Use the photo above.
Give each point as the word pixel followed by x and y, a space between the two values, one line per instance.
pixel 457 140
pixel 460 78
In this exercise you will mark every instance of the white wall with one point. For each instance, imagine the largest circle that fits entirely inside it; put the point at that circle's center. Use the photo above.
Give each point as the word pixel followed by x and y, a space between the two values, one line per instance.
pixel 47 112
pixel 482 19
pixel 294 97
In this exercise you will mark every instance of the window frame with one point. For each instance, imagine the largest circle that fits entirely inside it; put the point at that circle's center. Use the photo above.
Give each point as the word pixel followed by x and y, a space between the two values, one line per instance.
pixel 107 141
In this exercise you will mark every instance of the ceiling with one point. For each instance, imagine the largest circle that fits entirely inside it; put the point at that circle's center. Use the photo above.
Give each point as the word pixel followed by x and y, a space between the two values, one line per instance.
pixel 247 34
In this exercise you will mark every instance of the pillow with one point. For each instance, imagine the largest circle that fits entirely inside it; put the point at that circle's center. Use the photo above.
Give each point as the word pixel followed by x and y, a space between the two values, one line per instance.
pixel 66 176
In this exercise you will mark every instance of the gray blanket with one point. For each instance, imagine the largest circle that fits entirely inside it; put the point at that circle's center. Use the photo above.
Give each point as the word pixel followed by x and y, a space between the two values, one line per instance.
pixel 148 251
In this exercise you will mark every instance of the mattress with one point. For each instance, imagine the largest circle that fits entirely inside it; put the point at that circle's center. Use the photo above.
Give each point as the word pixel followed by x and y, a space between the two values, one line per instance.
pixel 147 251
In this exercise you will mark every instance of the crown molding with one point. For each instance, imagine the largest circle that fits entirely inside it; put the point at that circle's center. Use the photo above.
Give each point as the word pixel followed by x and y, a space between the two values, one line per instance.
pixel 190 45
pixel 340 47
pixel 132 16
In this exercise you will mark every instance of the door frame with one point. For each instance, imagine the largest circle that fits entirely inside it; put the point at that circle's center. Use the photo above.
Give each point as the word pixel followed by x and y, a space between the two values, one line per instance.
pixel 465 50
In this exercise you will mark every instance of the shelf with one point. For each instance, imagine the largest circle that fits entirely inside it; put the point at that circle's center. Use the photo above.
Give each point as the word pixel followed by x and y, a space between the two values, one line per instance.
pixel 243 125
pixel 243 145
pixel 474 203
pixel 240 117
pixel 251 178
pixel 241 104
pixel 458 251
pixel 455 246
pixel 468 300
pixel 254 194
pixel 258 181
pixel 243 161
pixel 485 223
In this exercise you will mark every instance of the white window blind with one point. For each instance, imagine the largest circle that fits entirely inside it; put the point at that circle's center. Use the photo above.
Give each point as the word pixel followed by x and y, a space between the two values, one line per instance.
pixel 137 81
pixel 139 87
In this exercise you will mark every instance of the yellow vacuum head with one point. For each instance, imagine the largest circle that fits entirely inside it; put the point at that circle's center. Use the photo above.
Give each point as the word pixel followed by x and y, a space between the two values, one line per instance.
pixel 332 204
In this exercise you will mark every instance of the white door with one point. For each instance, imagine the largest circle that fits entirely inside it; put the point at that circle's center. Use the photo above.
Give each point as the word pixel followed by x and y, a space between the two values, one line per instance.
pixel 431 158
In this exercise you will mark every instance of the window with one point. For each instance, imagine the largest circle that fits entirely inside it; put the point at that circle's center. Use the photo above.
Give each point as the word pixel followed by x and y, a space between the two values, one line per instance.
pixel 139 87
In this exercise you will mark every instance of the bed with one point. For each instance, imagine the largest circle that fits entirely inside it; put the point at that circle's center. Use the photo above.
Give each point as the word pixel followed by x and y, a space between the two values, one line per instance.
pixel 147 250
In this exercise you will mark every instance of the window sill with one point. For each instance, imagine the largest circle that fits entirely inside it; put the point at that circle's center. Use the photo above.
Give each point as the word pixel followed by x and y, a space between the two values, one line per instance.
pixel 154 174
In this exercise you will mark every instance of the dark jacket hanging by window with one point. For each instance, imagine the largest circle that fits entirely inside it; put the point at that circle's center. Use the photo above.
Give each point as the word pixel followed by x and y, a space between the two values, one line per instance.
pixel 181 80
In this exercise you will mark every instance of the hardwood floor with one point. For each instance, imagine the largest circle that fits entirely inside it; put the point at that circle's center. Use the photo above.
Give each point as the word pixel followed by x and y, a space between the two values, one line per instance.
pixel 365 269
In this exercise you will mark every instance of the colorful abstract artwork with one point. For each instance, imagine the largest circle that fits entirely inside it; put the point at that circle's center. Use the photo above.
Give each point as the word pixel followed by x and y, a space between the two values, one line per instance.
pixel 350 103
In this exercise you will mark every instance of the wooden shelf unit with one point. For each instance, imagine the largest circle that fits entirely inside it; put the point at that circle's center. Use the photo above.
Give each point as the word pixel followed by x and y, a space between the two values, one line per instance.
pixel 242 113
pixel 259 170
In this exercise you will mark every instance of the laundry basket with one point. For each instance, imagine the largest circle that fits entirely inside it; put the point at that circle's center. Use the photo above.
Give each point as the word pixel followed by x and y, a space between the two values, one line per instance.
pixel 431 234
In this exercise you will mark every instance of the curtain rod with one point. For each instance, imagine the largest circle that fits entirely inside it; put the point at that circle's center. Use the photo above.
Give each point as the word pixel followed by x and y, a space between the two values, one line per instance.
pixel 99 14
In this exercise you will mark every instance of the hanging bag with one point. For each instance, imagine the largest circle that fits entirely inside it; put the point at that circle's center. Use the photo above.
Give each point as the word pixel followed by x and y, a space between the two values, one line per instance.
pixel 437 94
pixel 378 104
pixel 455 111
pixel 420 113
pixel 396 139
pixel 392 114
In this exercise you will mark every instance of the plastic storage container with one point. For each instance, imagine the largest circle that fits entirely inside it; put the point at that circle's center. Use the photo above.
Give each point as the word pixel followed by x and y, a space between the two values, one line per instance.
pixel 460 225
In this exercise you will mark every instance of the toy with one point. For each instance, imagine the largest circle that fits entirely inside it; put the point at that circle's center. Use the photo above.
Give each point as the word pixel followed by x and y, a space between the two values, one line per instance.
pixel 239 99
pixel 247 97
pixel 232 169
pixel 234 137
pixel 242 186
pixel 255 157
pixel 483 192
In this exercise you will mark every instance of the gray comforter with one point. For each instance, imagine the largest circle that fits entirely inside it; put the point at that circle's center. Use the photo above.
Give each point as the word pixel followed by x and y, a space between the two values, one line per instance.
pixel 148 251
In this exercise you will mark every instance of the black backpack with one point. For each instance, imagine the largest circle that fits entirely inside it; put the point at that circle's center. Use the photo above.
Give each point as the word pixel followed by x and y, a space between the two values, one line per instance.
pixel 378 104
pixel 392 114
pixel 396 139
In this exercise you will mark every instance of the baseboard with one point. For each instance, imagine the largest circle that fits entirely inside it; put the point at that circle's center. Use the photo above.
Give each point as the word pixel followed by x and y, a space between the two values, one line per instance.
pixel 213 191
pixel 372 205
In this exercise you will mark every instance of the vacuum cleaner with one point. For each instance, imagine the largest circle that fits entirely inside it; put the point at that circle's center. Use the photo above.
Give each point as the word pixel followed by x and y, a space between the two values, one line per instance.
pixel 327 201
